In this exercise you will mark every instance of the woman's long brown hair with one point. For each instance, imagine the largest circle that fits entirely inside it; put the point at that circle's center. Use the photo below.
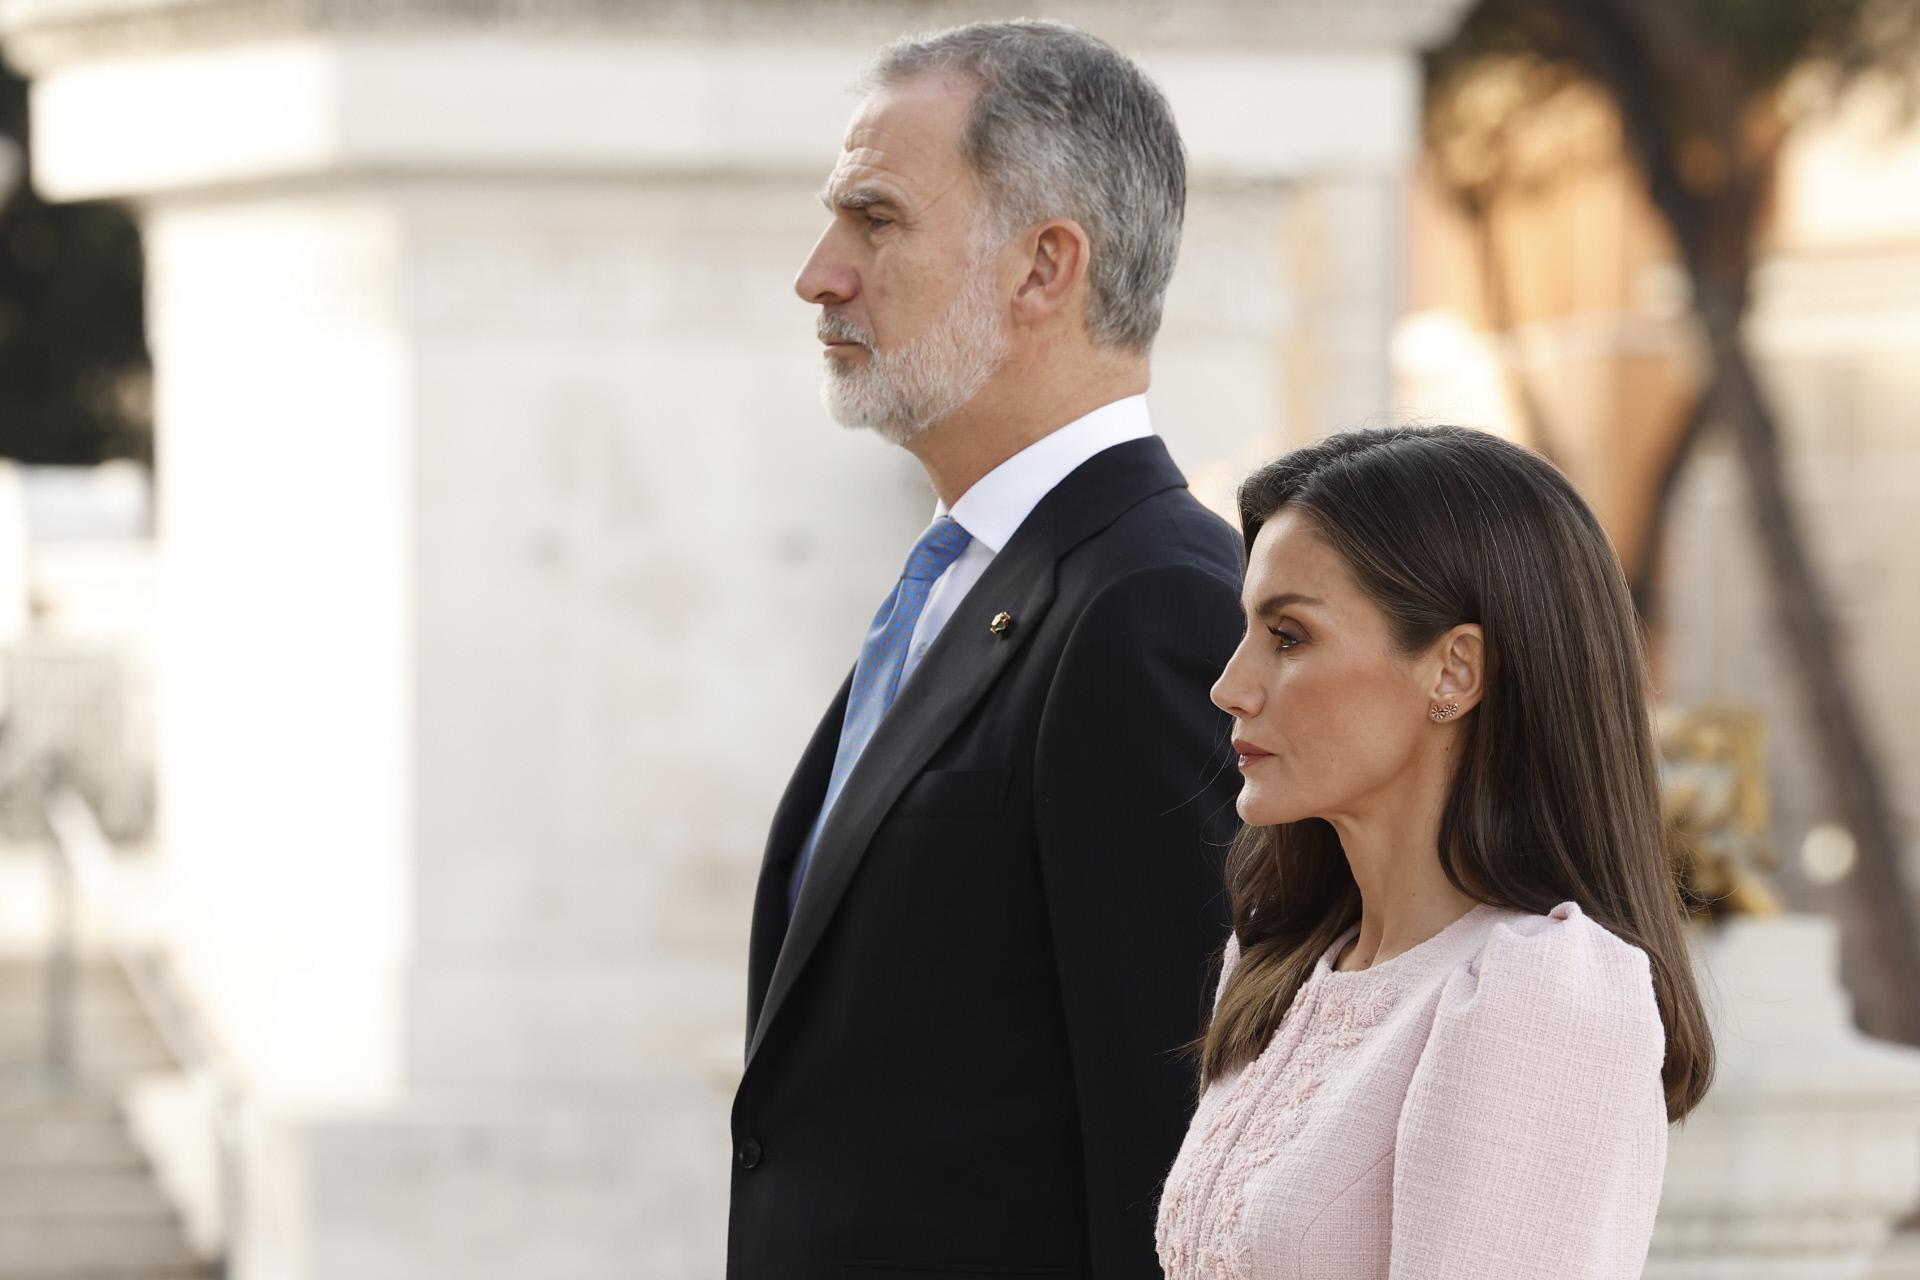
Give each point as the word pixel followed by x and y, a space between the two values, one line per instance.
pixel 1556 796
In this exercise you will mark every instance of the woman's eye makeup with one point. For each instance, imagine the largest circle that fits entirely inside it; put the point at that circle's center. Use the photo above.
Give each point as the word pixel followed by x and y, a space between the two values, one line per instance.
pixel 1286 637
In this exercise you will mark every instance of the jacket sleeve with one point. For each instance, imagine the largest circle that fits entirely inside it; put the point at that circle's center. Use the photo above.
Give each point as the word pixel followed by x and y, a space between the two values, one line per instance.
pixel 1534 1136
pixel 1133 793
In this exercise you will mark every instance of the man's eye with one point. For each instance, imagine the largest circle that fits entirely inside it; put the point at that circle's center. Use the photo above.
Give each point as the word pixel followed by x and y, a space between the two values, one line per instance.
pixel 876 223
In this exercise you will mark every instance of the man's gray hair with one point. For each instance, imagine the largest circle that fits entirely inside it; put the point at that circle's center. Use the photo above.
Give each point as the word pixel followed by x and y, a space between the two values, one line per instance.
pixel 1066 126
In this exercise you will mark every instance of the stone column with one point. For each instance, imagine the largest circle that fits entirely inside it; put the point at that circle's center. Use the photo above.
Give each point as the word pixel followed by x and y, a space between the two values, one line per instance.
pixel 509 558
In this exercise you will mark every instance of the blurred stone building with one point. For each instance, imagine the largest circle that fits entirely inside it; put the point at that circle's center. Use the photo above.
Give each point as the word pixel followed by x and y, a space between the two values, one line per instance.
pixel 507 558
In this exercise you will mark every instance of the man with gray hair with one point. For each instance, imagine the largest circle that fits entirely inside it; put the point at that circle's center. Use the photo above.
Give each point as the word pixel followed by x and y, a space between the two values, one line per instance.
pixel 981 935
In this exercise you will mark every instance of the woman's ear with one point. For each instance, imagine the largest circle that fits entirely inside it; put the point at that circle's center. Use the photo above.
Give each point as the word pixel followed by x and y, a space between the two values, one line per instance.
pixel 1462 677
pixel 1055 269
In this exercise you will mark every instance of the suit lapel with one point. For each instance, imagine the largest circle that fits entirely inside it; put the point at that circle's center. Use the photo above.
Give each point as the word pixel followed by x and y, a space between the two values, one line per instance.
pixel 791 821
pixel 956 673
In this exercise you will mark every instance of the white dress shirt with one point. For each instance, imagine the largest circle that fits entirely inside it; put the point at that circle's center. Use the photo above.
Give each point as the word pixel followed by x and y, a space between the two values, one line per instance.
pixel 1000 501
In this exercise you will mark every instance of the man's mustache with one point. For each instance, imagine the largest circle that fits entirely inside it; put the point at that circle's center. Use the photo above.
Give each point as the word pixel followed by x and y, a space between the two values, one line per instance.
pixel 833 328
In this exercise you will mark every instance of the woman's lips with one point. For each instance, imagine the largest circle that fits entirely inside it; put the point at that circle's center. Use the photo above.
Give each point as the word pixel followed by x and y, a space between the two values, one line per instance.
pixel 1250 754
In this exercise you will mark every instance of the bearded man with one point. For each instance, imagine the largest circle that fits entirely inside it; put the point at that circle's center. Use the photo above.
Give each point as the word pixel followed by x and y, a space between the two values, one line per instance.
pixel 982 932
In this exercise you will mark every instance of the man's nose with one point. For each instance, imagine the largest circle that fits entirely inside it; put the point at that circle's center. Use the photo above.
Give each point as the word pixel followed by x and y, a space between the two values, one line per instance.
pixel 824 280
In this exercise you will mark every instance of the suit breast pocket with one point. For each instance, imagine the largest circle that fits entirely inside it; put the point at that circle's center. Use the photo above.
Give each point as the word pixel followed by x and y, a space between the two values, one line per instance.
pixel 955 793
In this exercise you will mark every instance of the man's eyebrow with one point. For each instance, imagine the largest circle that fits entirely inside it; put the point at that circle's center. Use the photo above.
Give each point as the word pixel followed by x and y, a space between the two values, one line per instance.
pixel 1275 603
pixel 857 199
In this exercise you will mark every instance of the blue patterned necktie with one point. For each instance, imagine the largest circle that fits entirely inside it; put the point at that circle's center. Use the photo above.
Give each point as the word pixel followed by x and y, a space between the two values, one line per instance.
pixel 876 676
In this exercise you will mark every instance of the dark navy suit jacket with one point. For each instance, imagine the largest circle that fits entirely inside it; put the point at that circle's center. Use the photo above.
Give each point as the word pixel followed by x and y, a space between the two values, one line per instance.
pixel 964 1052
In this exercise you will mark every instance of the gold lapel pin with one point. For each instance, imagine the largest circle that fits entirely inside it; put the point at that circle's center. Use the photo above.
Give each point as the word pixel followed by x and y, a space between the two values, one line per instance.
pixel 1001 621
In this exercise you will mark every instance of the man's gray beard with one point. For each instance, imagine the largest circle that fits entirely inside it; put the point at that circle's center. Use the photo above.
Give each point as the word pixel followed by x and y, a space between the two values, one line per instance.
pixel 903 392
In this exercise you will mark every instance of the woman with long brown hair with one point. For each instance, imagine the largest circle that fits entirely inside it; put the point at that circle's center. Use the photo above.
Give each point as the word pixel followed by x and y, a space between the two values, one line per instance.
pixel 1456 1014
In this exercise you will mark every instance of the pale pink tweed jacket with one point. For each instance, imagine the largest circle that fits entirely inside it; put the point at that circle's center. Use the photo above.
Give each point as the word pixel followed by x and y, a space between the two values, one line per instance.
pixel 1484 1106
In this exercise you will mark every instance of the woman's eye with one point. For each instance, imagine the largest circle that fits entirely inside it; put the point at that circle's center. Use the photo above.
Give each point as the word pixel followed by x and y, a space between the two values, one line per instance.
pixel 1286 638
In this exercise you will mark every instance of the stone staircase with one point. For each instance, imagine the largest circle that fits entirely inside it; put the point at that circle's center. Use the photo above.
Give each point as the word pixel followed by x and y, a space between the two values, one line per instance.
pixel 77 1200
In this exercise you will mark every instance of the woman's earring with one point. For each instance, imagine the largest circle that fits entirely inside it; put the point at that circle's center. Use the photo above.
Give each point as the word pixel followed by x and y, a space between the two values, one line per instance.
pixel 1442 713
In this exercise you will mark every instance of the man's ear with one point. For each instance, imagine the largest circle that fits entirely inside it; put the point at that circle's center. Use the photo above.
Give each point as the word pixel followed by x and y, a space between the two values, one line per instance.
pixel 1056 265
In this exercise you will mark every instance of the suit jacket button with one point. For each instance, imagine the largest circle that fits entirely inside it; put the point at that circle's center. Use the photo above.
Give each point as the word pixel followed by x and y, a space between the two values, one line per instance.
pixel 748 1155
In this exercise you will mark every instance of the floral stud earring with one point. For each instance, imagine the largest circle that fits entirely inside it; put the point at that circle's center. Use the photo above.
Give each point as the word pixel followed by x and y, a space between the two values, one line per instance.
pixel 1444 713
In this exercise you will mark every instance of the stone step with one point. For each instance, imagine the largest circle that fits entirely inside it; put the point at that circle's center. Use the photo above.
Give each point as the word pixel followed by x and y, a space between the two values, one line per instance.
pixel 29 999
pixel 105 1196
pixel 27 978
pixel 101 993
pixel 78 1105
pixel 52 1246
pixel 56 1135
pixel 26 1005
pixel 199 1271
pixel 77 1199
pixel 31 1015
pixel 108 1019
pixel 107 1040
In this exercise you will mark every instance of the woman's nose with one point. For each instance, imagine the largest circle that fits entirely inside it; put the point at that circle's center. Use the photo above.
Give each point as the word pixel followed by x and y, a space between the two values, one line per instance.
pixel 1233 693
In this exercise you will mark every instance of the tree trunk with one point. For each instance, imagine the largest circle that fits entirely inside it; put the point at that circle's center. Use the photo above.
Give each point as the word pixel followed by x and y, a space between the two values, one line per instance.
pixel 1693 422
pixel 1882 955
pixel 1503 326
pixel 1674 88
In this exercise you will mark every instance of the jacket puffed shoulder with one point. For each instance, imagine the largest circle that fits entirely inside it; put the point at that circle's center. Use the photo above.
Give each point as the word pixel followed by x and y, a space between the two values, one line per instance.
pixel 1533 1140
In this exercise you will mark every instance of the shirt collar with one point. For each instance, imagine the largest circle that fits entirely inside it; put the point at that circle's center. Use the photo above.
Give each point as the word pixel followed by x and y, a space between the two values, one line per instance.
pixel 1001 500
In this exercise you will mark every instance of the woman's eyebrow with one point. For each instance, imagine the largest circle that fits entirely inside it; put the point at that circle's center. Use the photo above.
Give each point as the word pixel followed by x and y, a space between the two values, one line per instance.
pixel 1275 603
